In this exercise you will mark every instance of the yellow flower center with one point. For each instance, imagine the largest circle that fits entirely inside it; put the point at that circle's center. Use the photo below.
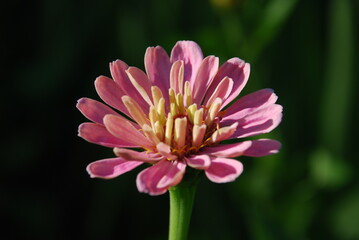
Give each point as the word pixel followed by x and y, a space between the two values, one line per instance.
pixel 182 125
pixel 186 128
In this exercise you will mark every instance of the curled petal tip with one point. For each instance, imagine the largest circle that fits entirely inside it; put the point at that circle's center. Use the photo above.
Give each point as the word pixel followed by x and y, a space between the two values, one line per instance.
pixel 80 100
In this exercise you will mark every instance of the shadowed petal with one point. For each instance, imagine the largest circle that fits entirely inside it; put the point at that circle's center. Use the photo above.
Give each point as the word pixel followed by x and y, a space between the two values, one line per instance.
pixel 110 167
pixel 156 179
pixel 250 103
pixel 158 65
pixel 261 121
pixel 255 148
pixel 228 150
pixel 263 147
pixel 198 161
pixel 94 110
pixel 124 130
pixel 96 133
pixel 192 56
pixel 224 170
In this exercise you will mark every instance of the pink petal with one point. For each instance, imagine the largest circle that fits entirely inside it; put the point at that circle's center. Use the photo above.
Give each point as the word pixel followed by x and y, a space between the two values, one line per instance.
pixel 228 150
pixel 224 170
pixel 111 167
pixel 191 54
pixel 250 103
pixel 198 161
pixel 110 93
pixel 238 71
pixel 118 72
pixel 222 91
pixel 141 83
pixel 262 147
pixel 206 72
pixel 239 84
pixel 96 133
pixel 132 155
pixel 255 148
pixel 165 150
pixel 94 110
pixel 176 76
pixel 158 65
pixel 156 179
pixel 173 176
pixel 263 120
pixel 124 130
pixel 224 133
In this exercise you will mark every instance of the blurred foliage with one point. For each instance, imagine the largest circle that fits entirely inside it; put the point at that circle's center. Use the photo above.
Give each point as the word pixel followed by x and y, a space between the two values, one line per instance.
pixel 305 50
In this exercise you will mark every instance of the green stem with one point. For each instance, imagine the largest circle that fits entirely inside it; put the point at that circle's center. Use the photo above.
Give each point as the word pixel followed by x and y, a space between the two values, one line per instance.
pixel 181 202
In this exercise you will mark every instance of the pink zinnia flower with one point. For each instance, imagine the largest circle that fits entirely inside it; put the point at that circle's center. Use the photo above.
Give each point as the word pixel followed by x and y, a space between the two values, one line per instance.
pixel 175 113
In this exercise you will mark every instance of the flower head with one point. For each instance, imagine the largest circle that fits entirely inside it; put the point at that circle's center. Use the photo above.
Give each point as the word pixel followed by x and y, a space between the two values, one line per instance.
pixel 175 113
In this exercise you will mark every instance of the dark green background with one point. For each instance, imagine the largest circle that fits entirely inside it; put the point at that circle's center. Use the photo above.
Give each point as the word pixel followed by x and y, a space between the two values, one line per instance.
pixel 307 51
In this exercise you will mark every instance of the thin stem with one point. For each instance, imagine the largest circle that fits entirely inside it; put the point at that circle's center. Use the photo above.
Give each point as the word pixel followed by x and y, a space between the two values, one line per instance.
pixel 181 202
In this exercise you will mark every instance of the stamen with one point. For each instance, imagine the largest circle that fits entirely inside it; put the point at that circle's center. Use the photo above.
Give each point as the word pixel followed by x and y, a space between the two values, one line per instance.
pixel 179 103
pixel 153 116
pixel 169 129
pixel 198 134
pixel 180 77
pixel 172 94
pixel 156 94
pixel 198 117
pixel 135 110
pixel 170 134
pixel 191 111
pixel 161 111
pixel 213 111
pixel 180 132
pixel 188 94
pixel 158 128
pixel 173 109
pixel 148 131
